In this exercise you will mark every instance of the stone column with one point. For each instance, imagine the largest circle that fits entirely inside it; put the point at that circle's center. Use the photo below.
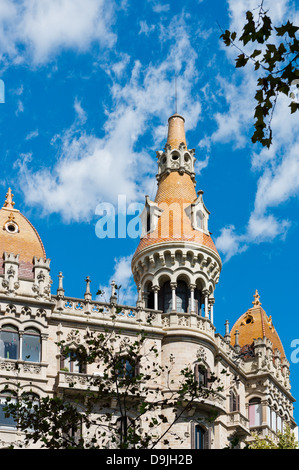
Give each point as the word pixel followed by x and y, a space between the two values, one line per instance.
pixel 237 346
pixel 227 335
pixel 20 345
pixel 192 288
pixel 211 302
pixel 206 297
pixel 173 288
pixel 156 300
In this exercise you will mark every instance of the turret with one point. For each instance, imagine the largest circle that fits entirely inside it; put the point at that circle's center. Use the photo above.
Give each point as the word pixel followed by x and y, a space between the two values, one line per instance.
pixel 176 265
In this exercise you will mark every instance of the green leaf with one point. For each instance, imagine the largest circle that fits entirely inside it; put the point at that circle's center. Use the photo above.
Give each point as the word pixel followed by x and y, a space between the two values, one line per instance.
pixel 241 60
pixel 294 107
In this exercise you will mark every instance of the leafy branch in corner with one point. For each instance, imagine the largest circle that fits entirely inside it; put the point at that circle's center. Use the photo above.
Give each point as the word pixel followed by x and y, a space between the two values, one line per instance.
pixel 275 56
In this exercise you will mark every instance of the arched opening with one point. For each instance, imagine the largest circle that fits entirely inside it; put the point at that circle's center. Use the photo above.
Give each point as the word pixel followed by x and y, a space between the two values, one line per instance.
pixel 31 345
pixel 7 397
pixel 199 298
pixel 9 342
pixel 182 296
pixel 148 295
pixel 255 412
pixel 165 298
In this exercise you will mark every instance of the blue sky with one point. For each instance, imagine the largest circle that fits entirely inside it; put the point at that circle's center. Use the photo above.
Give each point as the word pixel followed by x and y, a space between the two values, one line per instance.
pixel 89 86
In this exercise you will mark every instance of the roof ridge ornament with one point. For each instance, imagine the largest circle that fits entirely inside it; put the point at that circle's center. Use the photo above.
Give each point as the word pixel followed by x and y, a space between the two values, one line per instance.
pixel 9 203
pixel 256 302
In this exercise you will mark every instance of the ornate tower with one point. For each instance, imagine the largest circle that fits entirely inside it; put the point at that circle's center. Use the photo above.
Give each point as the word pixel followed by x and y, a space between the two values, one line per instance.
pixel 25 268
pixel 176 265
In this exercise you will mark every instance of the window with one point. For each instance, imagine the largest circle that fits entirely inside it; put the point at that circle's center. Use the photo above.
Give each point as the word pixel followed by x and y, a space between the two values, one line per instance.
pixel 199 437
pixel 9 342
pixel 6 398
pixel 255 412
pixel 182 297
pixel 198 300
pixel 31 345
pixel 126 368
pixel 148 221
pixel 69 363
pixel 279 424
pixel 11 227
pixel 126 431
pixel 201 375
pixel 200 219
pixel 165 298
pixel 233 401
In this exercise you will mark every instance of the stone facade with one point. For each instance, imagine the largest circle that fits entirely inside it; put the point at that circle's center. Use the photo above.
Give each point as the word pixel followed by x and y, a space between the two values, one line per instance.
pixel 176 277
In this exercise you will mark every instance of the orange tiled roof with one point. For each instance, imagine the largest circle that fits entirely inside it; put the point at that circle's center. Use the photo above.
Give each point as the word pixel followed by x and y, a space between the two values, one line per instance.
pixel 175 193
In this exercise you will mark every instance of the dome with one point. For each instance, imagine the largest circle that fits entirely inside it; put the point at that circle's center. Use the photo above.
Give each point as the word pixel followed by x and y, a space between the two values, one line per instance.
pixel 255 324
pixel 18 236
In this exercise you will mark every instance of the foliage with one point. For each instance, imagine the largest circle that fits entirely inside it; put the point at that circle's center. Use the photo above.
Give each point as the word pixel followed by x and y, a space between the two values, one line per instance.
pixel 285 440
pixel 276 58
pixel 121 406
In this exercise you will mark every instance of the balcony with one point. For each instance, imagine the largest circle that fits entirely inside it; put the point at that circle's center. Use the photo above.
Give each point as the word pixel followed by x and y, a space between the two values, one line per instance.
pixel 237 422
pixel 23 369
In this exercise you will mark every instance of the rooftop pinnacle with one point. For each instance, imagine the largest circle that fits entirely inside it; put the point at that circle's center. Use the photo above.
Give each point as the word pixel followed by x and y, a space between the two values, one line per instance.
pixel 176 131
pixel 256 301
pixel 8 204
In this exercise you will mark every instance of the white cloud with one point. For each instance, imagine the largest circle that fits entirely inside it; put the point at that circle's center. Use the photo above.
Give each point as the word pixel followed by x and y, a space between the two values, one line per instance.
pixel 32 134
pixel 277 168
pixel 43 28
pixel 229 242
pixel 91 170
pixel 82 116
pixel 122 275
pixel 145 28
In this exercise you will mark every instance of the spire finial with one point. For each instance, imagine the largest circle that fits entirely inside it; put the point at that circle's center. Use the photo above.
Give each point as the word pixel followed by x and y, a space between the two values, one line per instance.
pixel 87 295
pixel 9 203
pixel 256 302
pixel 176 94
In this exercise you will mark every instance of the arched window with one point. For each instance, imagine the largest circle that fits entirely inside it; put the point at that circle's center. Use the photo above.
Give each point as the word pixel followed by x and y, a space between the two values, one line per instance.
pixel 165 298
pixel 7 397
pixel 255 412
pixel 31 345
pixel 9 342
pixel 182 297
pixel 198 300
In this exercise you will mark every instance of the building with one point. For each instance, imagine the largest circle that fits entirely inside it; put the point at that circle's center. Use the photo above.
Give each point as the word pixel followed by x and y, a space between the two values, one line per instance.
pixel 176 267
